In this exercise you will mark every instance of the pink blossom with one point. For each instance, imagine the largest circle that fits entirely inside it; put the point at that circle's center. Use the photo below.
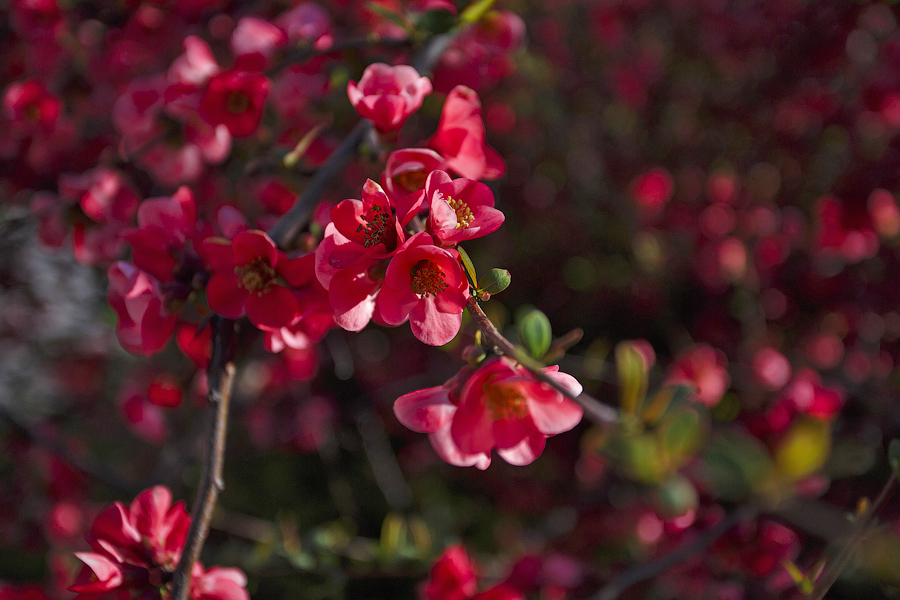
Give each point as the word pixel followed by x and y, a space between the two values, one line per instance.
pixel 251 276
pixel 135 550
pixel 235 99
pixel 256 38
pixel 452 576
pixel 144 324
pixel 425 284
pixel 407 169
pixel 500 405
pixel 461 137
pixel 387 95
pixel 704 369
pixel 459 209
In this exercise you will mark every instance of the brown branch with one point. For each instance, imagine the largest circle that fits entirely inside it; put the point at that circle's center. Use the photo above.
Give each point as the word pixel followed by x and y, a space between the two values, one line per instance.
pixel 220 374
pixel 285 230
pixel 595 410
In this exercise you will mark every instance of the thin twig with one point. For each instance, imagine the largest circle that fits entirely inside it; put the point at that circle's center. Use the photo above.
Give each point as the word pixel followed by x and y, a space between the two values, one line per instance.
pixel 648 570
pixel 285 230
pixel 595 410
pixel 830 576
pixel 221 381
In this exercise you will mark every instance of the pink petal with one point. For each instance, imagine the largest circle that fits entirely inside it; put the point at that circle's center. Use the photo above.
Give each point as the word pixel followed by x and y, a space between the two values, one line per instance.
pixel 552 418
pixel 394 305
pixel 425 411
pixel 443 445
pixel 431 326
pixel 525 452
pixel 472 427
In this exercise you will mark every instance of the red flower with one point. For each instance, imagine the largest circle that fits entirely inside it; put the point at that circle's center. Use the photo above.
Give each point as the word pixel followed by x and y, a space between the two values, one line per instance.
pixel 235 99
pixel 461 138
pixel 426 285
pixel 250 276
pixel 459 209
pixel 144 324
pixel 501 404
pixel 30 106
pixel 135 550
pixel 387 95
pixel 704 369
pixel 407 169
pixel 348 260
pixel 452 576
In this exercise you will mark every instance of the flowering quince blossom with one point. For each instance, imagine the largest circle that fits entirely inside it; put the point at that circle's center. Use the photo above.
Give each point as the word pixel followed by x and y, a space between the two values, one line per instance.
pixel 407 169
pixel 461 137
pixel 425 284
pixel 144 323
pixel 251 276
pixel 500 405
pixel 459 209
pixel 30 106
pixel 166 242
pixel 387 95
pixel 136 549
pixel 235 99
pixel 704 369
pixel 453 577
pixel 362 233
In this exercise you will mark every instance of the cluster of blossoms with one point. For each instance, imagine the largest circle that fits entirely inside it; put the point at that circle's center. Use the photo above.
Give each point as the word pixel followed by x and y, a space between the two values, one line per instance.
pixel 136 549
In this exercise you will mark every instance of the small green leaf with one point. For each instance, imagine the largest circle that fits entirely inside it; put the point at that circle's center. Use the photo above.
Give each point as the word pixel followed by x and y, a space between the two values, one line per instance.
pixel 536 334
pixel 290 159
pixel 476 10
pixel 894 455
pixel 494 282
pixel 632 373
pixel 803 582
pixel 387 14
pixel 681 434
pixel 468 267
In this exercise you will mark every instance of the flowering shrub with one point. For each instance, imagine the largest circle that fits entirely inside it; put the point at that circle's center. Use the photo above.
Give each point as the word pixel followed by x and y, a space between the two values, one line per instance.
pixel 650 248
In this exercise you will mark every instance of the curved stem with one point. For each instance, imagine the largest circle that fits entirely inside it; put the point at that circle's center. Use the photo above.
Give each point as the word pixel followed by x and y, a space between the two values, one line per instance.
pixel 595 410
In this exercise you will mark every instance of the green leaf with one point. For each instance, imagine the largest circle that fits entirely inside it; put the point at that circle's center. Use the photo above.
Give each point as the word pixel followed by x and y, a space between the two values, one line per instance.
pixel 536 334
pixel 736 464
pixel 894 455
pixel 674 497
pixel 475 11
pixel 290 159
pixel 494 282
pixel 681 434
pixel 468 267
pixel 633 375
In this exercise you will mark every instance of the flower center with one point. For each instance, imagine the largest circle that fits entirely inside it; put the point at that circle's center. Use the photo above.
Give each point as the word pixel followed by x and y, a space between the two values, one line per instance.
pixel 427 279
pixel 464 216
pixel 504 401
pixel 237 102
pixel 378 227
pixel 256 276
pixel 411 180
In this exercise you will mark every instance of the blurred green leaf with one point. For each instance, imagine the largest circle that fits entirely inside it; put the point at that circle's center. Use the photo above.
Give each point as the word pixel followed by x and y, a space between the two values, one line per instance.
pixel 675 496
pixel 633 377
pixel 681 434
pixel 535 332
pixel 736 464
pixel 804 449
pixel 475 11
